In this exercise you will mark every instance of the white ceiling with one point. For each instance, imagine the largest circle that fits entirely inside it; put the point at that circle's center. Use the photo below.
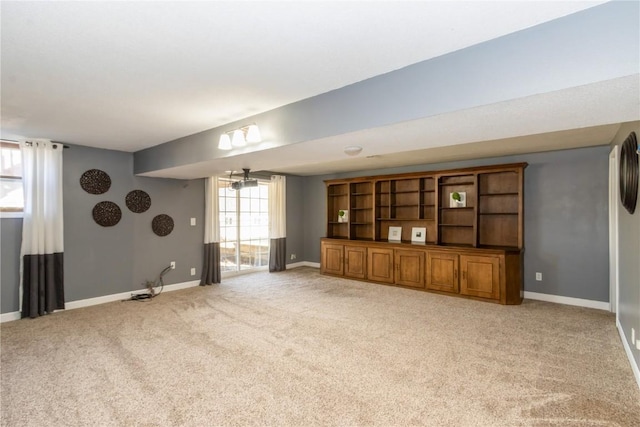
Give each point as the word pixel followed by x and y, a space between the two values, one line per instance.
pixel 131 75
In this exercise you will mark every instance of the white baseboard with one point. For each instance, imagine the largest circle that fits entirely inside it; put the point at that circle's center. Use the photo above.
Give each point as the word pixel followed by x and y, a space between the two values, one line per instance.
pixel 627 349
pixel 7 317
pixel 568 300
pixel 304 264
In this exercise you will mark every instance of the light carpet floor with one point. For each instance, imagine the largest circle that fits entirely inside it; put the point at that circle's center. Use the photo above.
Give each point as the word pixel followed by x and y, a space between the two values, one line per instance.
pixel 300 349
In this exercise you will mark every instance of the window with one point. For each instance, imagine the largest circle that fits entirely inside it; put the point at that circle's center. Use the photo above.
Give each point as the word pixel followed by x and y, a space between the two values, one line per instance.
pixel 11 198
pixel 244 226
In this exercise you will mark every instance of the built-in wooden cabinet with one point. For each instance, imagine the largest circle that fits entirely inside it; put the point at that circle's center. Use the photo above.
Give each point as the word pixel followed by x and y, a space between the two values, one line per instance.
pixel 409 265
pixel 442 271
pixel 344 260
pixel 480 276
pixel 474 222
pixel 380 264
pixel 484 274
pixel 331 259
pixel 355 261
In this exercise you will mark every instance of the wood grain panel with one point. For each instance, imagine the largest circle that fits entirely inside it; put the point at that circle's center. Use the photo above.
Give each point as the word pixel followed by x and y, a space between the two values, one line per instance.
pixel 355 261
pixel 380 265
pixel 480 276
pixel 410 268
pixel 442 271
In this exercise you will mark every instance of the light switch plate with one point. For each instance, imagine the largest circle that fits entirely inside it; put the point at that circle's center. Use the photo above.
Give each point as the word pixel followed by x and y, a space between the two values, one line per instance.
pixel 193 221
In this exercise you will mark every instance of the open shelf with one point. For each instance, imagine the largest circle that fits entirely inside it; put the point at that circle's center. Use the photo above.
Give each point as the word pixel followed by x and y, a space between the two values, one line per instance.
pixel 491 211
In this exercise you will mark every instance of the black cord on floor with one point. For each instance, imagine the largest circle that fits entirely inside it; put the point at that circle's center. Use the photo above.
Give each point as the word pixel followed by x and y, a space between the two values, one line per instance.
pixel 148 296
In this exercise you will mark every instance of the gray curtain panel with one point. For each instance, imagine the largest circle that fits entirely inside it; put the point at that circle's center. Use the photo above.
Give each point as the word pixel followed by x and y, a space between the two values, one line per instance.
pixel 43 290
pixel 277 254
pixel 211 264
pixel 278 223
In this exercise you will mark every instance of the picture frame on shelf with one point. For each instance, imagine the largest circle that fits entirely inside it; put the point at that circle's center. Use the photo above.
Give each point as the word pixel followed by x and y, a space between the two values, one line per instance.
pixel 343 215
pixel 419 235
pixel 395 234
pixel 458 199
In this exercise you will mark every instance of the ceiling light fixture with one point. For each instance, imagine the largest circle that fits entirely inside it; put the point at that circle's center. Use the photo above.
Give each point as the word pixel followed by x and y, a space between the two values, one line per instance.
pixel 239 137
pixel 352 150
pixel 237 140
pixel 225 142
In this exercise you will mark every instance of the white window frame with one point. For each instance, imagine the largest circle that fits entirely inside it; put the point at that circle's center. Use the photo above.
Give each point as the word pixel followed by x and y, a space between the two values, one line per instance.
pixel 11 213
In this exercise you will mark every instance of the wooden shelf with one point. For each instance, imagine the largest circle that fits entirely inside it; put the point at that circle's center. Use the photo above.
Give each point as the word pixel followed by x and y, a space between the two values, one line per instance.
pixel 458 209
pixel 449 184
pixel 498 213
pixel 493 216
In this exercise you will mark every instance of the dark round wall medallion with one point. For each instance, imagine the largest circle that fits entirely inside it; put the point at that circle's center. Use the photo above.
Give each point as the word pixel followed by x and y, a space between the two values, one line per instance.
pixel 95 181
pixel 107 214
pixel 162 225
pixel 629 160
pixel 138 201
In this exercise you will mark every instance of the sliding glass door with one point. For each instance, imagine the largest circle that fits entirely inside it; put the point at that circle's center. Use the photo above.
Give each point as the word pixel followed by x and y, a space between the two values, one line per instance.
pixel 244 226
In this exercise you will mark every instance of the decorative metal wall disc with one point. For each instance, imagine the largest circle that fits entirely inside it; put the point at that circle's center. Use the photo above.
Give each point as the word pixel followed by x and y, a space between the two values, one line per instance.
pixel 138 201
pixel 629 173
pixel 162 225
pixel 95 181
pixel 107 214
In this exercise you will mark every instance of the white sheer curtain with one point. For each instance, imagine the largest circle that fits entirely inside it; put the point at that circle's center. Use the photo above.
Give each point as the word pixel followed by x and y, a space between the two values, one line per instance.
pixel 42 250
pixel 211 264
pixel 278 223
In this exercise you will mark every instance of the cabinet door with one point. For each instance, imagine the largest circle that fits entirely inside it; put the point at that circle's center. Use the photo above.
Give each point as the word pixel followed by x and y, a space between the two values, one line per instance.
pixel 380 265
pixel 355 261
pixel 331 259
pixel 442 271
pixel 409 268
pixel 480 276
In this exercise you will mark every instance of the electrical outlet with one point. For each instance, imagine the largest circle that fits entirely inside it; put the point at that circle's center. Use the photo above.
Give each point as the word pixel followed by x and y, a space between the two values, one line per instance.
pixel 539 277
pixel 193 221
pixel 193 271
pixel 173 265
pixel 638 344
pixel 293 256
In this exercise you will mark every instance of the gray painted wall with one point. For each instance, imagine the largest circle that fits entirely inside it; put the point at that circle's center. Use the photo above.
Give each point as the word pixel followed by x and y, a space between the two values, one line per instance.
pixel 551 56
pixel 566 218
pixel 107 260
pixel 295 219
pixel 10 238
pixel 629 260
pixel 102 261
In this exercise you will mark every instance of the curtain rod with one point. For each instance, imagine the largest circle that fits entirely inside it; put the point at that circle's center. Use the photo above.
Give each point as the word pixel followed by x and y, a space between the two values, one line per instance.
pixel 13 140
